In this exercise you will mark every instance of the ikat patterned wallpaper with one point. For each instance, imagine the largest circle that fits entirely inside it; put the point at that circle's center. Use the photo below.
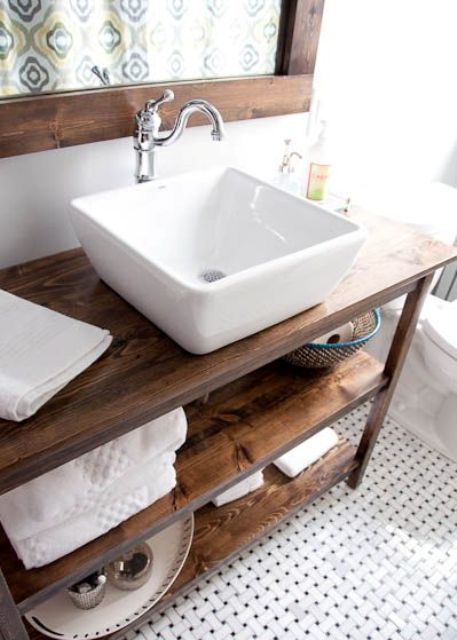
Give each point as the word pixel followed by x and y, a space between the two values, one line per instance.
pixel 63 45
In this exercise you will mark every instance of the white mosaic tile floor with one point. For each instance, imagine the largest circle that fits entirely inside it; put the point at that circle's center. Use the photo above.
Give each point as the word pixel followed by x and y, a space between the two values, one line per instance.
pixel 378 563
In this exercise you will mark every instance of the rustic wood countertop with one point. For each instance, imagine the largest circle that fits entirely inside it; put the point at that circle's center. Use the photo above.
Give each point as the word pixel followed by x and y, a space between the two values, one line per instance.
pixel 145 374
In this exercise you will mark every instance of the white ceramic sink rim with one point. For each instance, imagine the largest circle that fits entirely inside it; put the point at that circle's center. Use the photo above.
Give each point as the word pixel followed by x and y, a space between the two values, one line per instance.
pixel 206 288
pixel 155 244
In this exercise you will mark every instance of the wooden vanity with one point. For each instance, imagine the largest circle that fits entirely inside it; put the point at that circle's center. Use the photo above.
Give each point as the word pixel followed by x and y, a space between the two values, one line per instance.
pixel 258 408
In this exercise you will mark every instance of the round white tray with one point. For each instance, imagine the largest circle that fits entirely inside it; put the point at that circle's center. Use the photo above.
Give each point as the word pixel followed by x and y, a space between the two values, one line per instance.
pixel 59 618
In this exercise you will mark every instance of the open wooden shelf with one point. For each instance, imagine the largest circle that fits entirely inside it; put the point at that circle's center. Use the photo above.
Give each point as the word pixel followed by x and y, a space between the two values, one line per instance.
pixel 243 426
pixel 258 408
pixel 144 374
pixel 221 533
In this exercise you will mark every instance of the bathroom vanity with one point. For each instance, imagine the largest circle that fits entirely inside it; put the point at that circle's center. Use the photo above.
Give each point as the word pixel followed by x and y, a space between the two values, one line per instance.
pixel 245 408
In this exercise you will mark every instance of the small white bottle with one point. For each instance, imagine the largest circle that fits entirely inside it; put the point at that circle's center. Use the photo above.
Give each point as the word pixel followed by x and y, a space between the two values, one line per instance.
pixel 319 167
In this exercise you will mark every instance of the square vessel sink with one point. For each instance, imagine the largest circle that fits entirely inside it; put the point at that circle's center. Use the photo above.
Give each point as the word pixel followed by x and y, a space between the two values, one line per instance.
pixel 213 256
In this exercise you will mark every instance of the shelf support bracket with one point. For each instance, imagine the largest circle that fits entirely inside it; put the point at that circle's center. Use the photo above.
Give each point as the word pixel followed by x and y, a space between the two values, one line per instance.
pixel 393 367
pixel 11 625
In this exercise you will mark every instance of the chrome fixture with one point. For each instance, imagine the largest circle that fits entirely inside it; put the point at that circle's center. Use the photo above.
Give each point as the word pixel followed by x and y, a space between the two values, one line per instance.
pixel 147 138
pixel 287 165
pixel 102 74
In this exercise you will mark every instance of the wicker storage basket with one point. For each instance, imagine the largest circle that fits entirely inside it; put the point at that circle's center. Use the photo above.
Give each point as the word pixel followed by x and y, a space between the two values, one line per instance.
pixel 92 598
pixel 314 355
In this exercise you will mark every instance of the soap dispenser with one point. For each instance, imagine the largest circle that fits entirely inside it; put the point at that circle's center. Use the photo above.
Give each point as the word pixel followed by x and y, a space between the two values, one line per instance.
pixel 319 166
pixel 286 178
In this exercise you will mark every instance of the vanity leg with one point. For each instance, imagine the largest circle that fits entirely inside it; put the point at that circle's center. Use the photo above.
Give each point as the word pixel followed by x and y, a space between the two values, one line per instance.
pixel 11 625
pixel 394 364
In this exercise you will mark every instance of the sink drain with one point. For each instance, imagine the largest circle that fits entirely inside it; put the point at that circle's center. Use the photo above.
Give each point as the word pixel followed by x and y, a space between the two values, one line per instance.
pixel 211 275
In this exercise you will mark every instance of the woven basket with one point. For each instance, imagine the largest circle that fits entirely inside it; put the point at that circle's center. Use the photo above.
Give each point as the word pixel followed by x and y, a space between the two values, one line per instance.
pixel 315 355
pixel 92 598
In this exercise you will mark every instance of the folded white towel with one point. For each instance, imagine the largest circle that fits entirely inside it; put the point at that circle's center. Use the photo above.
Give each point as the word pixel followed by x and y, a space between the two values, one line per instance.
pixel 119 503
pixel 255 481
pixel 75 487
pixel 298 458
pixel 40 352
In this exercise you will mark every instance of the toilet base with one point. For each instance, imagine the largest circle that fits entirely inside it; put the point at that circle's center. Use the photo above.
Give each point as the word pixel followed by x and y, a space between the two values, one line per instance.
pixel 423 426
pixel 419 405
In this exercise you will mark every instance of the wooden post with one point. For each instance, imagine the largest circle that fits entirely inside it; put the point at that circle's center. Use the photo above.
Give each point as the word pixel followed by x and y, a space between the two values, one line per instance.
pixel 393 367
pixel 298 39
pixel 11 625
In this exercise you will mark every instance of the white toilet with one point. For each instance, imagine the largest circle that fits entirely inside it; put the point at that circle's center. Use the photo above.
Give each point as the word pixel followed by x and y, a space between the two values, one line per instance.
pixel 425 401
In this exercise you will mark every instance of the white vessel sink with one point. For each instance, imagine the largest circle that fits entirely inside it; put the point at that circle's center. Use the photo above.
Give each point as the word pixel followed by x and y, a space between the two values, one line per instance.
pixel 213 256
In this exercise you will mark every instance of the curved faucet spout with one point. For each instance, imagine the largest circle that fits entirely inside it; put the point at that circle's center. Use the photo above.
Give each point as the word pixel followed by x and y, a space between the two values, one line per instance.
pixel 194 106
pixel 147 138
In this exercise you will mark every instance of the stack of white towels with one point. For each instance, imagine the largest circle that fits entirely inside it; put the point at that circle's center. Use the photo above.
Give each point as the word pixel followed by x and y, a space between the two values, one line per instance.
pixel 40 352
pixel 64 509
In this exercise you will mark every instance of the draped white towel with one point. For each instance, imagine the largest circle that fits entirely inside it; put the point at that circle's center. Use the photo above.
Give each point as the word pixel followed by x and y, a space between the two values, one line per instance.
pixel 253 482
pixel 122 500
pixel 40 352
pixel 75 487
pixel 298 458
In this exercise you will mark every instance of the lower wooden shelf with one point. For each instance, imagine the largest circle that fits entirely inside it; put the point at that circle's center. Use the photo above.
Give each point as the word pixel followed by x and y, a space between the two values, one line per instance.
pixel 241 428
pixel 221 533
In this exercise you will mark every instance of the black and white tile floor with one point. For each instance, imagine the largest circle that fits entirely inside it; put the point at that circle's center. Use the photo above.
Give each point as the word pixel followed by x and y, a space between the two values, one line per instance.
pixel 377 563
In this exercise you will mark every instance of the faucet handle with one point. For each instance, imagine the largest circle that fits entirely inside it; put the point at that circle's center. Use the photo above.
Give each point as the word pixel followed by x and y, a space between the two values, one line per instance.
pixel 148 119
pixel 153 105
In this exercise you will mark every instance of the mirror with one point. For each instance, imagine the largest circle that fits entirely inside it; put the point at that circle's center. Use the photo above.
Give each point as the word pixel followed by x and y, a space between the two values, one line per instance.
pixel 51 46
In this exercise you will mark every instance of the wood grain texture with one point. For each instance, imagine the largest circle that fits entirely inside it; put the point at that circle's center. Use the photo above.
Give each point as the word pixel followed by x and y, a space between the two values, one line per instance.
pixel 396 260
pixel 51 121
pixel 221 533
pixel 242 427
pixel 299 36
pixel 145 374
pixel 37 123
pixel 11 625
pixel 395 360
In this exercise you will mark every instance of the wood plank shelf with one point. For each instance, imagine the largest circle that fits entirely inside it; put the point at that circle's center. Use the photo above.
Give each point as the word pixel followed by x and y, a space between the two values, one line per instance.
pixel 144 374
pixel 257 409
pixel 243 427
pixel 222 533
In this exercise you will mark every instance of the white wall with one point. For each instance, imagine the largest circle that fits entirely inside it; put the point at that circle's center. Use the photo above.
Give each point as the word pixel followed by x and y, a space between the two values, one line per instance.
pixel 387 72
pixel 36 189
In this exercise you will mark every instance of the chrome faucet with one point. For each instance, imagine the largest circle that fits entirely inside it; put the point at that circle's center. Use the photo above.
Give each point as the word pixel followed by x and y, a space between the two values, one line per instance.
pixel 147 138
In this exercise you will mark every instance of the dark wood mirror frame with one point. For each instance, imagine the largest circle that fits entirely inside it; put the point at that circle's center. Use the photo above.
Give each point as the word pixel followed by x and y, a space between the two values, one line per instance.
pixel 38 123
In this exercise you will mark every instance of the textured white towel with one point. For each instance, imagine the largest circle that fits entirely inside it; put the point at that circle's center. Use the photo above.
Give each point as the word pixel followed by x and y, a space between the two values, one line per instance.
pixel 119 503
pixel 76 486
pixel 255 481
pixel 40 352
pixel 298 458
